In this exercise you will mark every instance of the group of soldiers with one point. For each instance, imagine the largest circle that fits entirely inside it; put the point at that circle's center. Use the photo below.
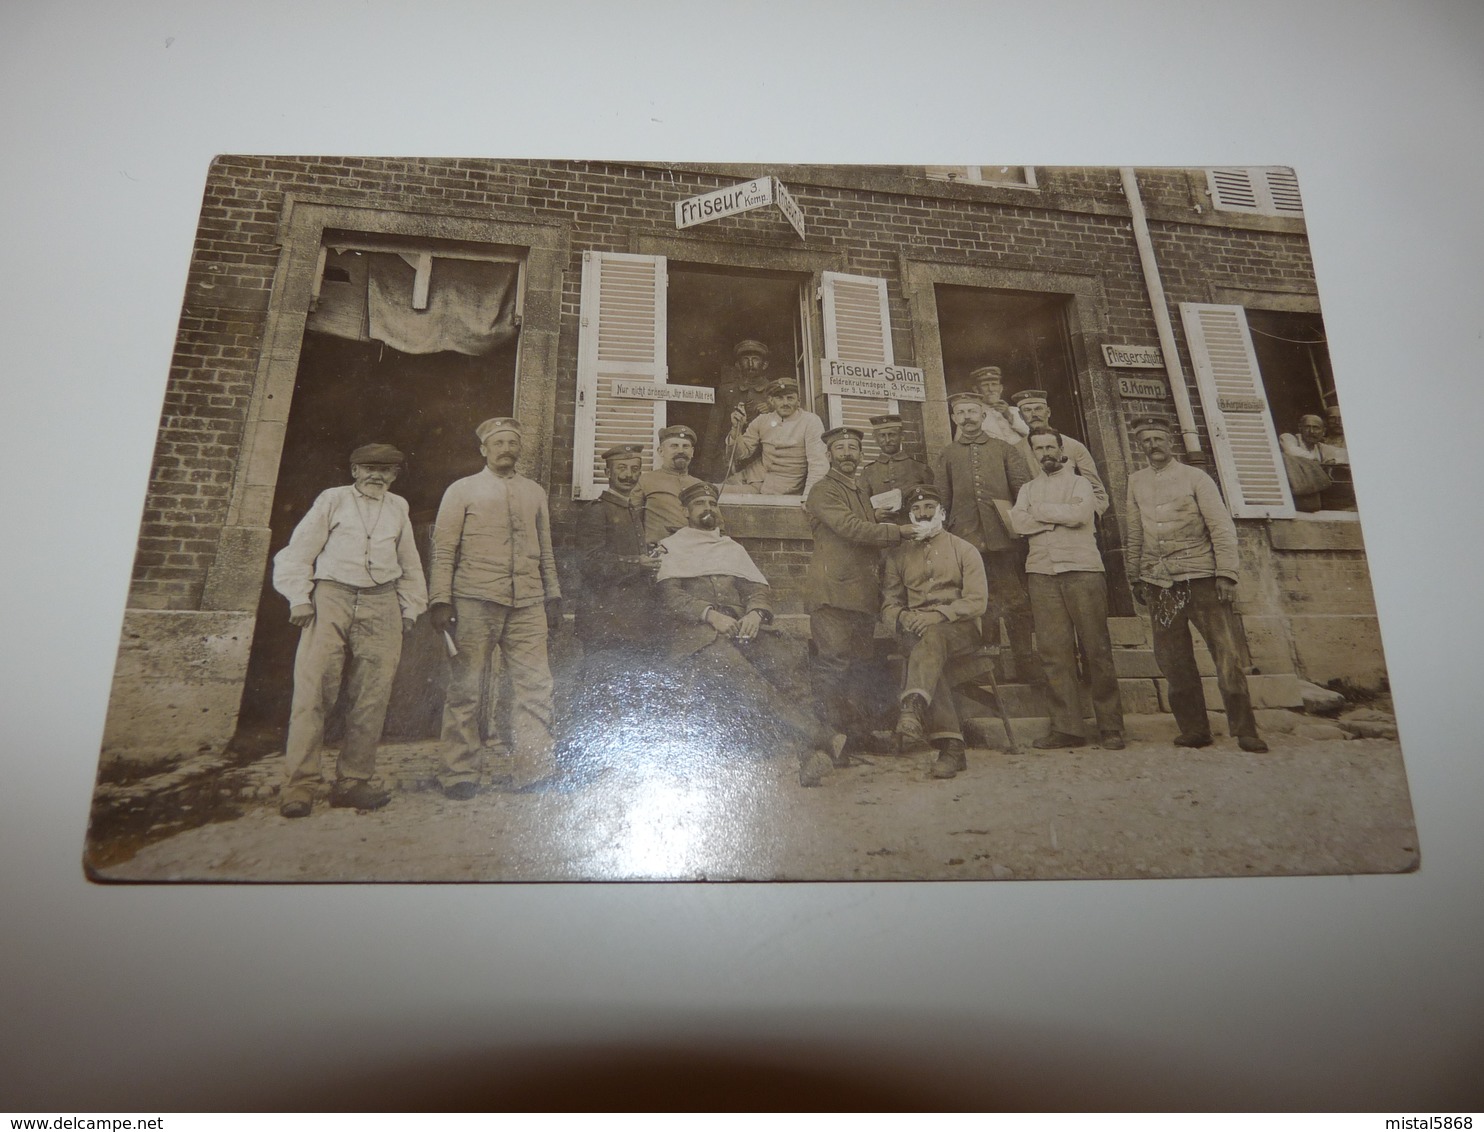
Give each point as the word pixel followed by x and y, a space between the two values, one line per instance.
pixel 676 616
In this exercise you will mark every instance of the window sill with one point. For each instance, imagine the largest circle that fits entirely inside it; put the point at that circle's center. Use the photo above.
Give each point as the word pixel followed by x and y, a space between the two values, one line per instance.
pixel 1317 530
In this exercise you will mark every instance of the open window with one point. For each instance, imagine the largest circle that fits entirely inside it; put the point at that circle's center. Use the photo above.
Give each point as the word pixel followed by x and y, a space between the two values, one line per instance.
pixel 1014 176
pixel 673 328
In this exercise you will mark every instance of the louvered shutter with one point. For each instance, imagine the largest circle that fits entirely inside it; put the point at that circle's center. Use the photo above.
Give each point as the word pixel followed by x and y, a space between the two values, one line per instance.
pixel 622 335
pixel 1241 426
pixel 1266 191
pixel 857 328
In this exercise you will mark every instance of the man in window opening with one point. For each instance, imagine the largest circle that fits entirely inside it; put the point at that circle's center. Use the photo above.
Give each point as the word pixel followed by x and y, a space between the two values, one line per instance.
pixel 1307 460
pixel 934 594
pixel 657 494
pixel 494 586
pixel 1182 553
pixel 355 588
pixel 893 469
pixel 1001 421
pixel 1334 435
pixel 1034 409
pixel 980 477
pixel 793 458
pixel 717 602
pixel 843 587
pixel 1069 596
pixel 741 395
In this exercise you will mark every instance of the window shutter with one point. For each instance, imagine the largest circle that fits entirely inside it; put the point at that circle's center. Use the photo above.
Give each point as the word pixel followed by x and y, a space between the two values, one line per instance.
pixel 622 335
pixel 1265 191
pixel 1236 407
pixel 857 328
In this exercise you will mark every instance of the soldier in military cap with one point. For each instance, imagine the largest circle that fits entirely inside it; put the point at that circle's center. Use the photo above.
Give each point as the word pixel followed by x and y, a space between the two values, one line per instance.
pixel 1001 421
pixel 844 591
pixel 657 494
pixel 791 441
pixel 355 586
pixel 717 604
pixel 494 586
pixel 1035 410
pixel 934 593
pixel 893 468
pixel 741 394
pixel 617 573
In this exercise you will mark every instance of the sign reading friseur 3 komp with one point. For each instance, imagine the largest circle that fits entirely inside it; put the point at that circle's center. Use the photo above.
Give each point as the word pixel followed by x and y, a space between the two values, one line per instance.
pixel 574 312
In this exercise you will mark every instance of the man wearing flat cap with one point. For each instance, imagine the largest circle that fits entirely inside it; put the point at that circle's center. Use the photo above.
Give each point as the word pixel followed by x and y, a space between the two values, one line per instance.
pixel 494 586
pixel 843 587
pixel 893 469
pixel 617 574
pixel 355 586
pixel 980 478
pixel 791 441
pixel 1182 555
pixel 717 604
pixel 1035 410
pixel 657 494
pixel 1001 421
pixel 741 395
pixel 934 594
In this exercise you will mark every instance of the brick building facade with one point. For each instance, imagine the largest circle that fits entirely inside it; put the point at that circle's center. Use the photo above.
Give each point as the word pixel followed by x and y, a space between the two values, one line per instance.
pixel 935 268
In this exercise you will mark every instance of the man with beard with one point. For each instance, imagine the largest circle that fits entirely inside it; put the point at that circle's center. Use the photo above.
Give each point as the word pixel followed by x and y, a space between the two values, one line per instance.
pixel 843 592
pixel 717 602
pixel 657 494
pixel 1069 597
pixel 1035 410
pixel 980 478
pixel 355 587
pixel 741 395
pixel 894 468
pixel 935 593
pixel 494 586
pixel 1182 553
pixel 793 459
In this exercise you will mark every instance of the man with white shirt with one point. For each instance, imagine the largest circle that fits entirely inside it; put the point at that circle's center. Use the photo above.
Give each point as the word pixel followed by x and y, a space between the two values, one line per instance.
pixel 791 440
pixel 494 586
pixel 1002 421
pixel 1035 410
pixel 355 586
pixel 1069 596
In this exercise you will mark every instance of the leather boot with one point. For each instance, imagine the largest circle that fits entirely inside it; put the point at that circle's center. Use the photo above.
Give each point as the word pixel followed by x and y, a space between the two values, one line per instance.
pixel 951 759
pixel 909 722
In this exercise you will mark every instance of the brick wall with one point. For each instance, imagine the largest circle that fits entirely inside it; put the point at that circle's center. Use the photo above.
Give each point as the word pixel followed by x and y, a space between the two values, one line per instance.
pixel 1076 222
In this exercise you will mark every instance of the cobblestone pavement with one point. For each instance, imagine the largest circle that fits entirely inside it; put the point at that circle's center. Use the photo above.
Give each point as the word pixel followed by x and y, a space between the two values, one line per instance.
pixel 1330 797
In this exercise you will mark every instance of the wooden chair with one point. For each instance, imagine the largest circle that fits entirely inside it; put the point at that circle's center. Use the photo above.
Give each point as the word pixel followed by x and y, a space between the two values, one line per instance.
pixel 969 674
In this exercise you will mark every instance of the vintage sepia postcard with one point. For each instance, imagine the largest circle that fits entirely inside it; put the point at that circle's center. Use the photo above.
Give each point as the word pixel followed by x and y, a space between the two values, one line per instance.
pixel 601 520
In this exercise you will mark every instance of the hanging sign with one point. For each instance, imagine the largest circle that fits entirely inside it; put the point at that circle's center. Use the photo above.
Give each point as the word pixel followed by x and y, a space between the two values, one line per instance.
pixel 740 198
pixel 649 391
pixel 1143 388
pixel 862 379
pixel 1133 357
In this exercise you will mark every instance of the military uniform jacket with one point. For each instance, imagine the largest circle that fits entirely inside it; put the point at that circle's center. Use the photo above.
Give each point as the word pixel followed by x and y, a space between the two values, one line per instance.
pixel 618 592
pixel 847 545
pixel 686 600
pixel 888 472
pixel 973 474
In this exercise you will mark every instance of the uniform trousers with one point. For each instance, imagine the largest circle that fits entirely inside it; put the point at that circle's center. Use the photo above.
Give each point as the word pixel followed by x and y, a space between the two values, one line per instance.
pixel 1175 655
pixel 843 638
pixel 1004 570
pixel 727 689
pixel 1071 610
pixel 927 659
pixel 520 635
pixel 365 627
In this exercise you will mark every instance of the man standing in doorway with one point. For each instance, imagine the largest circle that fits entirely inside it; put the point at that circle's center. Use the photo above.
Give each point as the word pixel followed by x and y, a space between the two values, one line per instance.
pixel 1001 421
pixel 1036 412
pixel 494 586
pixel 844 593
pixel 355 587
pixel 1182 553
pixel 1069 597
pixel 979 478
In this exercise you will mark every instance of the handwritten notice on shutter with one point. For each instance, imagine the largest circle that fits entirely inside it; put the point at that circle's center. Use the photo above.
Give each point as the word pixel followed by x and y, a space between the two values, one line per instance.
pixel 863 379
pixel 648 391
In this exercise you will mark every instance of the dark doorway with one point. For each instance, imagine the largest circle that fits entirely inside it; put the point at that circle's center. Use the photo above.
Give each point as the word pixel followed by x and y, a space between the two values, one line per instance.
pixel 348 393
pixel 1027 334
